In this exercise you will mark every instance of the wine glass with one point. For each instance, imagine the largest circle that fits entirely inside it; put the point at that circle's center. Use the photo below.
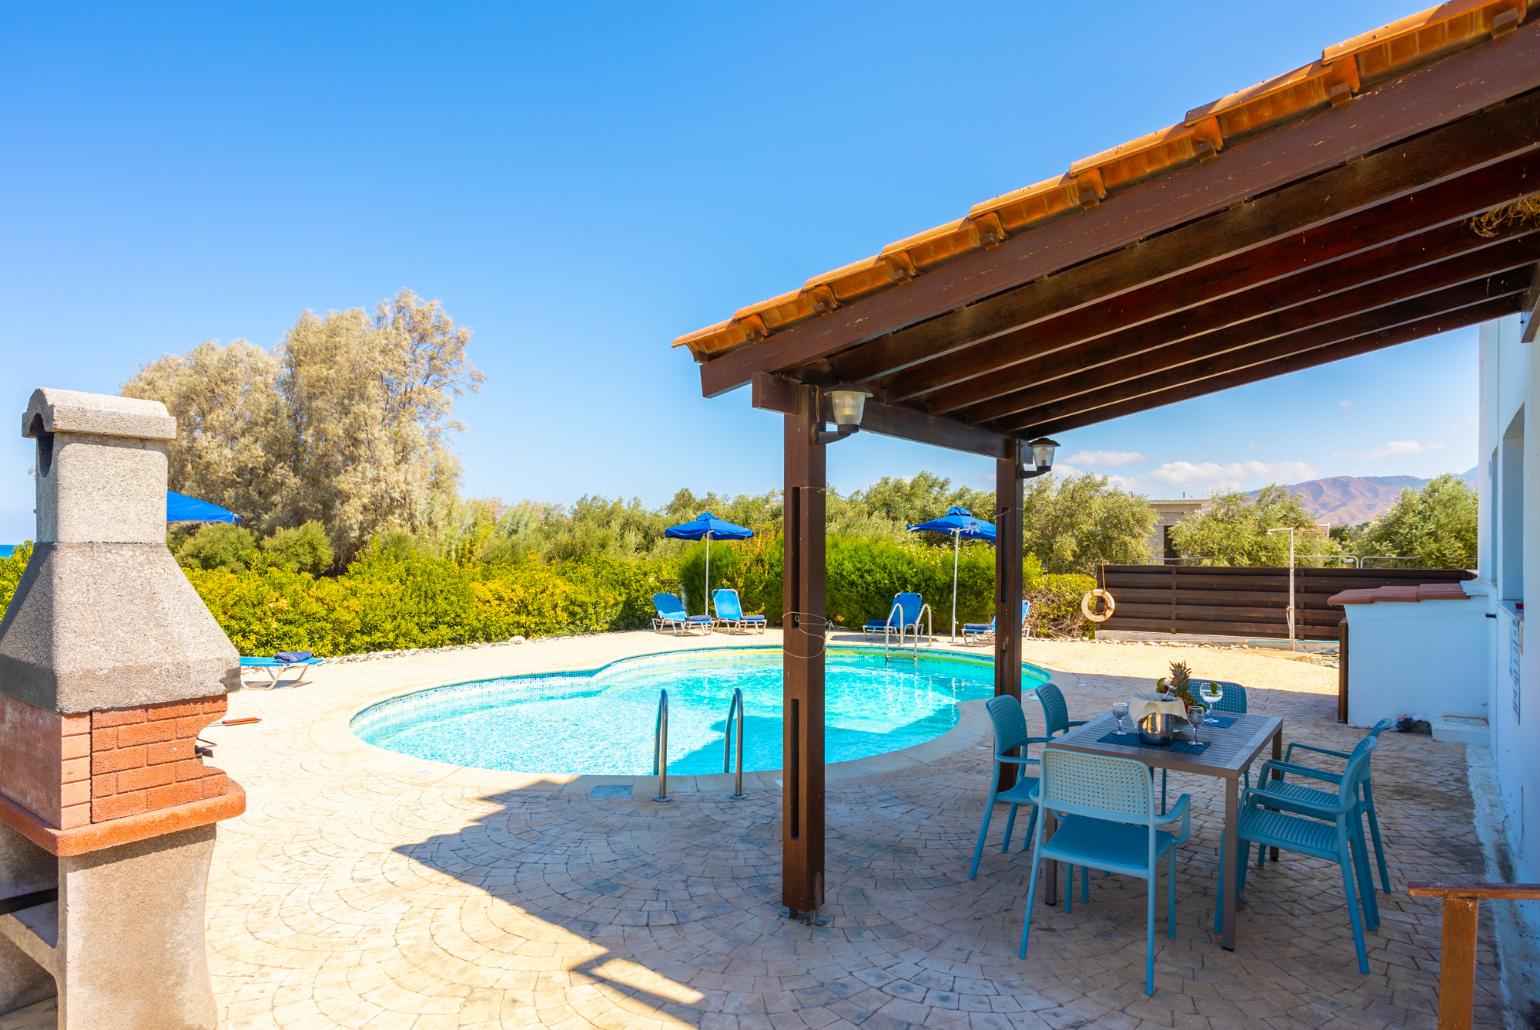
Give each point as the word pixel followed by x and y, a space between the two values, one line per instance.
pixel 1211 692
pixel 1195 716
pixel 1120 711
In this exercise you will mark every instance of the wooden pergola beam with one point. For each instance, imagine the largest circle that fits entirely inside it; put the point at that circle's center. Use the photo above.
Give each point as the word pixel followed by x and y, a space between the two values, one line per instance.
pixel 1390 229
pixel 1229 326
pixel 1206 366
pixel 802 661
pixel 1424 99
pixel 780 394
pixel 1496 307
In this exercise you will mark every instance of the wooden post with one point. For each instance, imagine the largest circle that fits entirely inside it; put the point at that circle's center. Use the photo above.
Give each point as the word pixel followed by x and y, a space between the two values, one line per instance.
pixel 1457 959
pixel 1008 592
pixel 1342 670
pixel 802 794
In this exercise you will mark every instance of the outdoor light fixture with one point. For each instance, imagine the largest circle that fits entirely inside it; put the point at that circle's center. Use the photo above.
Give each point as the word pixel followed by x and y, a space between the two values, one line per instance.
pixel 843 406
pixel 1042 457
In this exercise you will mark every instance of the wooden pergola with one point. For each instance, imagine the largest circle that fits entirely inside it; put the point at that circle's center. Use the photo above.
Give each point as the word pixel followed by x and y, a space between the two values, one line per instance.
pixel 1355 203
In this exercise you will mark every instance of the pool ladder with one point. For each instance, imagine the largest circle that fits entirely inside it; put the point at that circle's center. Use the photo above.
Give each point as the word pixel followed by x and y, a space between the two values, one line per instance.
pixel 729 752
pixel 660 748
pixel 890 649
pixel 736 707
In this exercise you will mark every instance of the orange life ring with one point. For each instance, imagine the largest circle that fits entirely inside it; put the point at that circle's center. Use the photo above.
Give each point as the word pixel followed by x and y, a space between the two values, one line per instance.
pixel 1108 605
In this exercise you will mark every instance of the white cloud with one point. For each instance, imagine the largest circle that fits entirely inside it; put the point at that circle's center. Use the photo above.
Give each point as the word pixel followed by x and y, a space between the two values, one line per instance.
pixel 1209 476
pixel 1107 459
pixel 1344 404
pixel 1391 449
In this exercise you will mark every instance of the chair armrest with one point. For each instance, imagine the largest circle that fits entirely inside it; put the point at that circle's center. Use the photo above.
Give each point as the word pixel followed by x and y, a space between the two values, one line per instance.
pixel 1076 722
pixel 1013 760
pixel 1288 754
pixel 1181 810
pixel 1272 765
pixel 1261 797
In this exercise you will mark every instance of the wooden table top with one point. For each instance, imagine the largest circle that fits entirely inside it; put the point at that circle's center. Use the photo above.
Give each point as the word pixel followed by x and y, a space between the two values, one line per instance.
pixel 1231 750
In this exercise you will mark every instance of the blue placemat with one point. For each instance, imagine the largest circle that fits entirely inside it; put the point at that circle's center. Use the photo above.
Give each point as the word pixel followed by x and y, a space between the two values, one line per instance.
pixel 1222 721
pixel 1182 747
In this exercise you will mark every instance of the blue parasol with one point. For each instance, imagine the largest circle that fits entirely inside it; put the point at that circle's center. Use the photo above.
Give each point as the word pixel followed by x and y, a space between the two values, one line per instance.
pixel 707 527
pixel 181 508
pixel 961 523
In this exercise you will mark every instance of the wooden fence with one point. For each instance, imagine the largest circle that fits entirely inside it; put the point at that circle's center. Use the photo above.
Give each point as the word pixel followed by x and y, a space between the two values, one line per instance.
pixel 1244 602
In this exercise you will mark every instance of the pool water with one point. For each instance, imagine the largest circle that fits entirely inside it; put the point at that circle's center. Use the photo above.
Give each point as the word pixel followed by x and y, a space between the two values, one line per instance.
pixel 602 722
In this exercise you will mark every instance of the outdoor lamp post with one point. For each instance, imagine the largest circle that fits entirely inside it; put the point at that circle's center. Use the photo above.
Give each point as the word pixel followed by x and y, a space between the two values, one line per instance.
pixel 1042 457
pixel 843 406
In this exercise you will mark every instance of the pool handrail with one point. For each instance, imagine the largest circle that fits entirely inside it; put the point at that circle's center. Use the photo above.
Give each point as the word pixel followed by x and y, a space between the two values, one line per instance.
pixel 736 706
pixel 887 632
pixel 660 747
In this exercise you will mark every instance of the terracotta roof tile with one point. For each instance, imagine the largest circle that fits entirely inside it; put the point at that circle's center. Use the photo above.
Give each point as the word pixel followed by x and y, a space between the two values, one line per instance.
pixel 1400 594
pixel 1341 72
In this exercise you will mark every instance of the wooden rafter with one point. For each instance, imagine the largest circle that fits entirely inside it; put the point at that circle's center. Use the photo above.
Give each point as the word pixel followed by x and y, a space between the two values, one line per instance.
pixel 1251 174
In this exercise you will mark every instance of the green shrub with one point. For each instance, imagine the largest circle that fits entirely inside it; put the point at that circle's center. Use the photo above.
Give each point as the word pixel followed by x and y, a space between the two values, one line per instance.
pixel 12 566
pixel 1056 605
pixel 752 567
pixel 219 545
pixel 302 548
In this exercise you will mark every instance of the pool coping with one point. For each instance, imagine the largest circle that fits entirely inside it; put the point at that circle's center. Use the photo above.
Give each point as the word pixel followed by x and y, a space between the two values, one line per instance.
pixel 332 733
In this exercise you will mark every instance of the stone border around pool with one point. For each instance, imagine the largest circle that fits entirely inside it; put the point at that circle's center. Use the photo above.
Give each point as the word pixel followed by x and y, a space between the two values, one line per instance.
pixel 332 733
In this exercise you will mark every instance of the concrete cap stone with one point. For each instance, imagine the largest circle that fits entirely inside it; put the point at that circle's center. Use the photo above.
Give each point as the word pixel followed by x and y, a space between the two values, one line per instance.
pixel 51 410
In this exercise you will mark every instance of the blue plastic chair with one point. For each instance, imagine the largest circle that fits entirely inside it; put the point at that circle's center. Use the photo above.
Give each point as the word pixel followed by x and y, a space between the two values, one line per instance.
pixel 1333 831
pixel 671 616
pixel 1011 747
pixel 977 631
pixel 907 617
pixel 729 610
pixel 1055 711
pixel 1107 820
pixel 1275 784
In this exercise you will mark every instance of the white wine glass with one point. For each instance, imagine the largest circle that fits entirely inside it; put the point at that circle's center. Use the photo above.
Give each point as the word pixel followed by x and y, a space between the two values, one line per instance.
pixel 1120 711
pixel 1195 717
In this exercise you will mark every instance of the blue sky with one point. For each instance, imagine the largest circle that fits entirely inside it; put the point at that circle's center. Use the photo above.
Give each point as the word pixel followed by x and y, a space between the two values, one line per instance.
pixel 582 183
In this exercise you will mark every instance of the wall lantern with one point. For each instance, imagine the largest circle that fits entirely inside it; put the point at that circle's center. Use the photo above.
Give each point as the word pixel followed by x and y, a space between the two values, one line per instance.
pixel 1042 457
pixel 843 406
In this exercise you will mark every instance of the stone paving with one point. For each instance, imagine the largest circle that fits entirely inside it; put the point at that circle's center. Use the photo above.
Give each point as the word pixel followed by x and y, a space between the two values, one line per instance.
pixel 367 889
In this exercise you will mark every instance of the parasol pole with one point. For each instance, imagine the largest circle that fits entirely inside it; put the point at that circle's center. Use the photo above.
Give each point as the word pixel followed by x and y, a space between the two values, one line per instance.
pixel 956 550
pixel 706 601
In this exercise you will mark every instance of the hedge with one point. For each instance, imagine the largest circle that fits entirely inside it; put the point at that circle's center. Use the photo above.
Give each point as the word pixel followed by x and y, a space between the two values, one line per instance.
pixel 400 595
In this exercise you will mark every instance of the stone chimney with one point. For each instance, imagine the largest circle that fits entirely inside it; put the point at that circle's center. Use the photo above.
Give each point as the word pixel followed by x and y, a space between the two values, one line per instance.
pixel 110 666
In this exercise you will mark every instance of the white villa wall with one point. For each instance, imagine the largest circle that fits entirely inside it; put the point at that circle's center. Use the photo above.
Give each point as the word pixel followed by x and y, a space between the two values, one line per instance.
pixel 1510 559
pixel 1423 658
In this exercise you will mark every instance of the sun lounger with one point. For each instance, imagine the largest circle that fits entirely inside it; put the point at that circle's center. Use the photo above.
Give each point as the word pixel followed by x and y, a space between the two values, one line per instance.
pixel 978 632
pixel 730 611
pixel 298 662
pixel 906 618
pixel 672 618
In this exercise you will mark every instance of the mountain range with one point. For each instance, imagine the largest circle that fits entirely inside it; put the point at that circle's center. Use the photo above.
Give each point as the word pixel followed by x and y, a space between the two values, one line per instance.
pixel 1349 500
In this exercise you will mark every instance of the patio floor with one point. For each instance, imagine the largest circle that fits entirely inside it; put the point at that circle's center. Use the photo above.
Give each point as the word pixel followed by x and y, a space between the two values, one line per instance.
pixel 364 888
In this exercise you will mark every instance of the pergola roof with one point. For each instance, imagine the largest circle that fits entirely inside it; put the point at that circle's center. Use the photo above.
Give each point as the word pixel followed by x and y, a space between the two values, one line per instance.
pixel 1320 214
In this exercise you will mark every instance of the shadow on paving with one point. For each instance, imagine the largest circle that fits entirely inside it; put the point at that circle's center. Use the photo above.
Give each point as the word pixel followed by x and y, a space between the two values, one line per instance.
pixel 673 909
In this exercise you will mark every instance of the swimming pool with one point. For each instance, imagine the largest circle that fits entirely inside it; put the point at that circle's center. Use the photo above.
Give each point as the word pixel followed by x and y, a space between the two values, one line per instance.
pixel 601 722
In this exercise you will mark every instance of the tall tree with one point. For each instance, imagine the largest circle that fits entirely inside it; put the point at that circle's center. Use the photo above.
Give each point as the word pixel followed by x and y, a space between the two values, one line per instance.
pixel 1074 522
pixel 1234 529
pixel 231 425
pixel 1435 526
pixel 346 423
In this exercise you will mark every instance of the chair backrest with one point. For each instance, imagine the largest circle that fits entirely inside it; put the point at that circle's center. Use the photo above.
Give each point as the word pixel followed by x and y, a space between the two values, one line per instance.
pixel 1381 726
pixel 1099 786
pixel 1055 711
pixel 668 605
pixel 1233 700
pixel 727 604
pixel 909 605
pixel 1357 769
pixel 1010 723
pixel 1026 609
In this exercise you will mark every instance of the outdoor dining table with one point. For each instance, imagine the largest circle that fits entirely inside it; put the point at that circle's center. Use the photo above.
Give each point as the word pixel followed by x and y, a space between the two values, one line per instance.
pixel 1230 751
